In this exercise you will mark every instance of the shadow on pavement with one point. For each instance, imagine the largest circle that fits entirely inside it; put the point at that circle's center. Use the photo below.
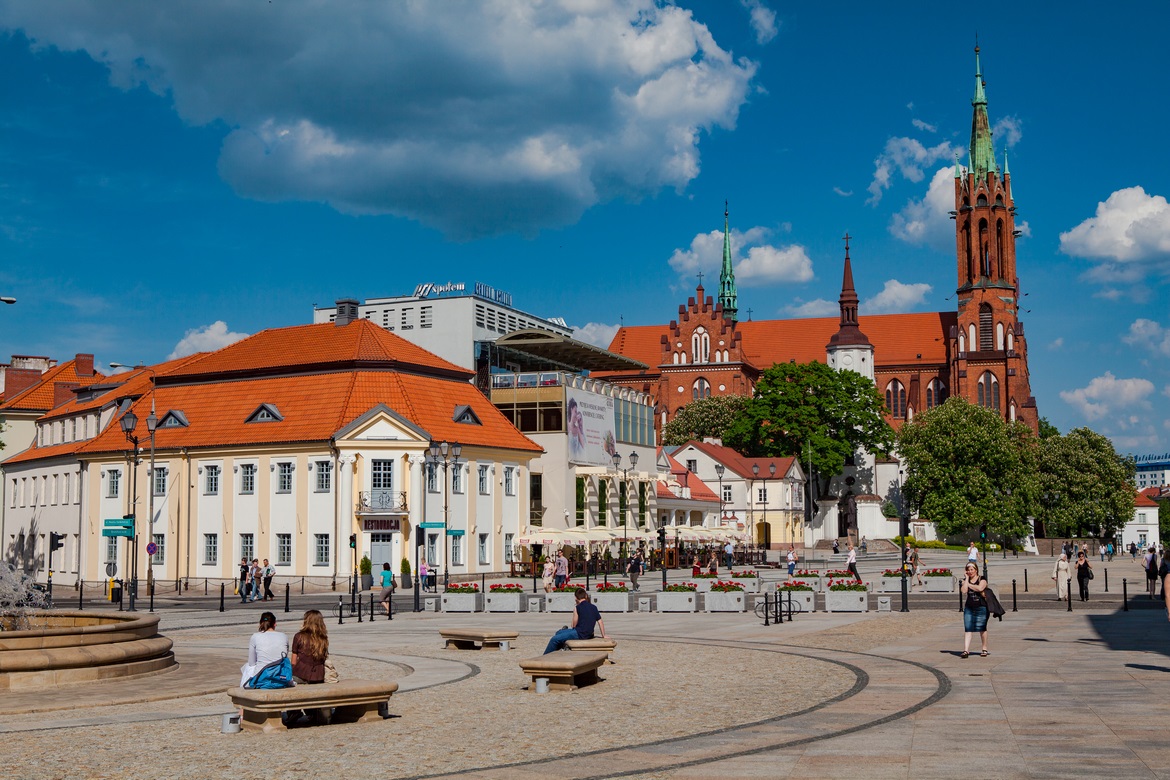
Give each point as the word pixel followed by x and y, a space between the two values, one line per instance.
pixel 1142 631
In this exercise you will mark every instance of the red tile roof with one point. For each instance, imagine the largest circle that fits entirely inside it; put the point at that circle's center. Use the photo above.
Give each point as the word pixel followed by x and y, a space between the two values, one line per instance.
pixel 132 384
pixel 320 347
pixel 39 397
pixel 896 338
pixel 699 489
pixel 1143 499
pixel 738 463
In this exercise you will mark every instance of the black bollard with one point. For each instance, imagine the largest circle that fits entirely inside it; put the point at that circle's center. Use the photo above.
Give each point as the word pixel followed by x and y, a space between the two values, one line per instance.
pixel 766 608
pixel 1014 595
pixel 81 594
pixel 960 599
pixel 534 577
pixel 1068 586
pixel 664 574
pixel 1106 579
pixel 1124 595
pixel 358 607
pixel 606 575
pixel 371 608
pixel 152 599
pixel 789 606
pixel 302 586
pixel 483 583
pixel 340 611
pixel 1025 580
pixel 287 590
pixel 390 609
pixel 221 597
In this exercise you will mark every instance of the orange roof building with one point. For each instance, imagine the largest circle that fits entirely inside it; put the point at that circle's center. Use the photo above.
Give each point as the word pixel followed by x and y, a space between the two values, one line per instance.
pixel 280 446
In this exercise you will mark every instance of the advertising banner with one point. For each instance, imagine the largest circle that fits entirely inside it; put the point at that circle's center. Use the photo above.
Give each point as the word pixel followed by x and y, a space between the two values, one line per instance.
pixel 589 419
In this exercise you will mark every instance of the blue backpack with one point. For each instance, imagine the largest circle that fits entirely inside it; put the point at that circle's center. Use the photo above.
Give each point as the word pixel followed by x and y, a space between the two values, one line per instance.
pixel 277 674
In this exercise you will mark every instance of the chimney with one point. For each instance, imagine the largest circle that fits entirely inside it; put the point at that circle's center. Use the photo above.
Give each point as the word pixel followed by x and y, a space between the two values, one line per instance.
pixel 63 392
pixel 347 311
pixel 17 380
pixel 83 364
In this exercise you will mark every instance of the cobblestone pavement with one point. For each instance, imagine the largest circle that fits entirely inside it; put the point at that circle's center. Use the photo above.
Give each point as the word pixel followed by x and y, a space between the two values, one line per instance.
pixel 691 696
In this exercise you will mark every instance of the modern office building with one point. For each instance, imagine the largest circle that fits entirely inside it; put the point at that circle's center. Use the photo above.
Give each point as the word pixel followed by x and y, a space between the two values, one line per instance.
pixel 1152 470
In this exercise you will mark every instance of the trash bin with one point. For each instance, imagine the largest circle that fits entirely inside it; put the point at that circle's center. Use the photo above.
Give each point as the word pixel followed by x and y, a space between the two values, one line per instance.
pixel 883 604
pixel 115 591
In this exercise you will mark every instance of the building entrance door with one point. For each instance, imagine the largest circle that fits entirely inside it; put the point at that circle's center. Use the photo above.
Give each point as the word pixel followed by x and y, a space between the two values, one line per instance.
pixel 381 551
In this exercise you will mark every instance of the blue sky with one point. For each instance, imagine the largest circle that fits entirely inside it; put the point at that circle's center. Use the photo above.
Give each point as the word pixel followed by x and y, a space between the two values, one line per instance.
pixel 173 175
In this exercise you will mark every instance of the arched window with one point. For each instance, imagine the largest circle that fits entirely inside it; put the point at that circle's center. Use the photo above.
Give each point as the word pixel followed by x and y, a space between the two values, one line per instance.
pixel 981 200
pixel 700 346
pixel 1012 412
pixel 999 270
pixel 962 343
pixel 984 246
pixel 985 328
pixel 936 393
pixel 1010 341
pixel 896 399
pixel 987 391
pixel 999 335
pixel 676 357
pixel 701 389
pixel 971 336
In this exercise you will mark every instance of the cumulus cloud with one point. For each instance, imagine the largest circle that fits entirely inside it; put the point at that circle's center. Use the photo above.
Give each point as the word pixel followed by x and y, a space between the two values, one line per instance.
pixel 1106 393
pixel 763 20
pixel 926 222
pixel 814 308
pixel 907 157
pixel 896 296
pixel 1128 237
pixel 1007 129
pixel 477 118
pixel 924 126
pixel 598 334
pixel 755 261
pixel 1148 335
pixel 205 339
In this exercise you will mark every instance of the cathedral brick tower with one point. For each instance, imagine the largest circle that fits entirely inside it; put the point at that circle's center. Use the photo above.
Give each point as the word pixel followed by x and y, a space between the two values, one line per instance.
pixel 990 368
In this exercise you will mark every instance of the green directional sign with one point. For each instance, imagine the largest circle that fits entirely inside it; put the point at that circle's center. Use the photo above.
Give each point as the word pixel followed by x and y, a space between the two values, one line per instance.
pixel 455 532
pixel 430 525
pixel 127 532
pixel 119 522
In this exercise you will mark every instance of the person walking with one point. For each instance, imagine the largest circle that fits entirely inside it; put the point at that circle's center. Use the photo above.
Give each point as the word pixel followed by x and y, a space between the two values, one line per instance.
pixel 255 576
pixel 634 569
pixel 792 559
pixel 1151 564
pixel 1084 574
pixel 1061 573
pixel 851 561
pixel 245 585
pixel 546 576
pixel 729 554
pixel 561 569
pixel 1132 551
pixel 387 589
pixel 974 609
pixel 916 566
pixel 268 572
pixel 972 553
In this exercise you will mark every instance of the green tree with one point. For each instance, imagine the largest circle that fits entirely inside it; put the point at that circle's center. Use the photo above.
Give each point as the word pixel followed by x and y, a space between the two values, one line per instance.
pixel 1164 518
pixel 814 413
pixel 1085 486
pixel 1047 429
pixel 704 418
pixel 966 467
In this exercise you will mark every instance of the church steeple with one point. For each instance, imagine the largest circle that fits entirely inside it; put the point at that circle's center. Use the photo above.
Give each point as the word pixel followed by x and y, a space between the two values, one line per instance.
pixel 728 297
pixel 982 151
pixel 848 331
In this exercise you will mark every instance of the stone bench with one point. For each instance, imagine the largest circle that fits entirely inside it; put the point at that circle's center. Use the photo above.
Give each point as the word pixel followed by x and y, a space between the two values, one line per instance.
pixel 565 671
pixel 597 644
pixel 352 701
pixel 476 638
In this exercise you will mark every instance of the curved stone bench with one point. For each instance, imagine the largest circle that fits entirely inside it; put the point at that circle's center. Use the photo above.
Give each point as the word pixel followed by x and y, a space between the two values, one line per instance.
pixel 594 645
pixel 353 701
pixel 476 638
pixel 565 671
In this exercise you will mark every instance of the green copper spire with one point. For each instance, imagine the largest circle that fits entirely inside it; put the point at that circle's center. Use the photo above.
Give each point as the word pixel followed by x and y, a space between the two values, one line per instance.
pixel 727 294
pixel 982 151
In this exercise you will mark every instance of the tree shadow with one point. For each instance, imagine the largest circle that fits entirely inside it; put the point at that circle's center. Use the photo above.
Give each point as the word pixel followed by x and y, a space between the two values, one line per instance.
pixel 1133 631
pixel 21 553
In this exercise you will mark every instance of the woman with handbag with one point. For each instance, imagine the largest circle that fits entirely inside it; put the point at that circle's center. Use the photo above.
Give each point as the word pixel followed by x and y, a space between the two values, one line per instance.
pixel 974 609
pixel 1084 574
pixel 265 646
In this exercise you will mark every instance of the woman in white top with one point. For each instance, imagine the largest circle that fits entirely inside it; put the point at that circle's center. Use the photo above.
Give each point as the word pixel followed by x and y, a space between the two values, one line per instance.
pixel 1060 573
pixel 851 562
pixel 265 646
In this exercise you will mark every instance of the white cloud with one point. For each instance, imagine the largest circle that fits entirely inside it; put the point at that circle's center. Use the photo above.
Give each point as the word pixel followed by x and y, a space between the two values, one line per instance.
pixel 896 296
pixel 1108 293
pixel 596 333
pixel 1129 237
pixel 763 264
pixel 1106 393
pixel 924 126
pixel 927 222
pixel 814 308
pixel 477 118
pixel 1149 335
pixel 1009 130
pixel 1056 343
pixel 1166 392
pixel 763 20
pixel 843 193
pixel 206 339
pixel 906 156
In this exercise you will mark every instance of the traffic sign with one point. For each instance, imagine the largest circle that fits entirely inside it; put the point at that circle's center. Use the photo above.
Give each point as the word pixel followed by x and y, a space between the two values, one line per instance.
pixel 455 532
pixel 119 522
pixel 127 532
pixel 430 525
pixel 111 569
pixel 151 548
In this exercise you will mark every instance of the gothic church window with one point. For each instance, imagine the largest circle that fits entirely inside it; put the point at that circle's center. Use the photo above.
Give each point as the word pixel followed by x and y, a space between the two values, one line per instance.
pixel 701 389
pixel 896 399
pixel 936 393
pixel 987 391
pixel 985 328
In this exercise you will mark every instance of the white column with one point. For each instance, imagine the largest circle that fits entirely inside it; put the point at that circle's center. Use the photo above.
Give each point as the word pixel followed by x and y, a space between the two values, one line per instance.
pixel 345 513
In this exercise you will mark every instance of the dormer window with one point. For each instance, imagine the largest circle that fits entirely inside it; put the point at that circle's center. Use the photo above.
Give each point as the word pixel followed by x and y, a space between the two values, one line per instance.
pixel 173 419
pixel 466 415
pixel 265 413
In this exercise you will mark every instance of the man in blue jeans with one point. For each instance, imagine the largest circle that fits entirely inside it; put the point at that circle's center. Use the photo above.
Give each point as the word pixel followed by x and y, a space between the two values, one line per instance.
pixel 585 617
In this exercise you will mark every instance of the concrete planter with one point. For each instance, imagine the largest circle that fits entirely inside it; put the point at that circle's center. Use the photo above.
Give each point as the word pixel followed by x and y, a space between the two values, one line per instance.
pixel 894 584
pixel 846 601
pixel 560 602
pixel 678 602
pixel 462 602
pixel 703 583
pixel 939 584
pixel 806 598
pixel 717 601
pixel 817 583
pixel 611 602
pixel 506 602
pixel 750 584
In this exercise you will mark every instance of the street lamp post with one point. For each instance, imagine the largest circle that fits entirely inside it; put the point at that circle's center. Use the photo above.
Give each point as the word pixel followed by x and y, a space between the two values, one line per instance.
pixel 904 529
pixel 617 464
pixel 771 474
pixel 129 423
pixel 448 455
pixel 151 427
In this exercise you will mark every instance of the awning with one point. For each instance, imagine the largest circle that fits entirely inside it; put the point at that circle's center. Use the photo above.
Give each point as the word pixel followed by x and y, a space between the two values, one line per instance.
pixel 567 351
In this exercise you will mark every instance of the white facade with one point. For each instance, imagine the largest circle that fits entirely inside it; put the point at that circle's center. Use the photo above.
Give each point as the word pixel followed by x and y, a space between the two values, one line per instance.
pixel 449 319
pixel 1152 471
pixel 1142 529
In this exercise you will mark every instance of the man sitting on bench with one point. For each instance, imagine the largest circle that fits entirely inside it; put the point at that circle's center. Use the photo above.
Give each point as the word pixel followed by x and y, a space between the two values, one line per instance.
pixel 585 617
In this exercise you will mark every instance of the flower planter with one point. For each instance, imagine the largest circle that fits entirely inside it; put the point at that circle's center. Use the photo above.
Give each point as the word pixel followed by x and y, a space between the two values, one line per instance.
pixel 560 602
pixel 750 584
pixel 939 584
pixel 462 602
pixel 678 602
pixel 718 601
pixel 506 601
pixel 807 599
pixel 846 601
pixel 704 583
pixel 817 583
pixel 611 602
pixel 894 584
